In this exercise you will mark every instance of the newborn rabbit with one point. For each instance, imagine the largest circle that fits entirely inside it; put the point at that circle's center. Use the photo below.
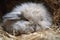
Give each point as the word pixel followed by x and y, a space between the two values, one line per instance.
pixel 35 14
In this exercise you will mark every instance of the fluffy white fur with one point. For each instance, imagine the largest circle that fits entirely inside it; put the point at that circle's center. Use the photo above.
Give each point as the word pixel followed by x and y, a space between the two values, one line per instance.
pixel 34 12
pixel 23 26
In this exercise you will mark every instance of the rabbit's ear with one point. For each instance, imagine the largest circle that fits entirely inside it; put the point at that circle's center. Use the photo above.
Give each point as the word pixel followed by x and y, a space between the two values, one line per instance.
pixel 11 16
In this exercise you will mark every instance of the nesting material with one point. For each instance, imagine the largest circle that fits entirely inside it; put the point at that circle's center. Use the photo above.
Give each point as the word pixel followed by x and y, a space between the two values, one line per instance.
pixel 42 35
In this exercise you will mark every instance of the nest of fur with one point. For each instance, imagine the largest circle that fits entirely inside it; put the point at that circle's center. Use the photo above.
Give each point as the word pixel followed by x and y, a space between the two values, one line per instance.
pixel 49 34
